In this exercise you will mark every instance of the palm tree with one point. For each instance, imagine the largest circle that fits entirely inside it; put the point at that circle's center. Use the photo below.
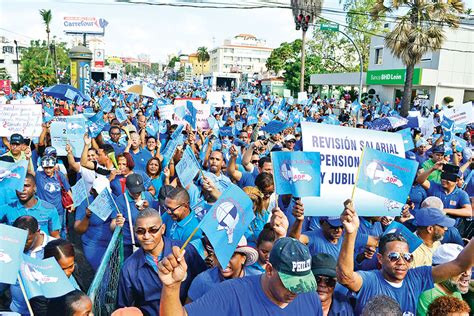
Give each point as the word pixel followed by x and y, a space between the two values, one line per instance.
pixel 203 56
pixel 47 17
pixel 418 32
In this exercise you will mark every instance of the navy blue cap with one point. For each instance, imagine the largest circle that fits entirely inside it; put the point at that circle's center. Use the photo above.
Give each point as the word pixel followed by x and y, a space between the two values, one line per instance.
pixel 410 155
pixel 50 151
pixel 16 139
pixel 432 216
pixel 332 220
pixel 438 149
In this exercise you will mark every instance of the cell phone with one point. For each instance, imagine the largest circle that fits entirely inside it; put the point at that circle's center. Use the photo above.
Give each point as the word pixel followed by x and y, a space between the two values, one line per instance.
pixel 448 168
pixel 140 203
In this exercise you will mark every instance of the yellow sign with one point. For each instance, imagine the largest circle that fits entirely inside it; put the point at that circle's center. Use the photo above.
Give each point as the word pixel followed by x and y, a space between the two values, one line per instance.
pixel 74 79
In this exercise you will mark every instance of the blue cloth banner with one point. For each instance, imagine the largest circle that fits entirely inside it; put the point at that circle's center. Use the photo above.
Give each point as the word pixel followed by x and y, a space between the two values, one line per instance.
pixel 12 243
pixel 12 174
pixel 227 221
pixel 187 167
pixel 407 139
pixel 384 183
pixel 396 228
pixel 44 278
pixel 297 173
pixel 79 192
pixel 103 205
pixel 191 114
pixel 105 104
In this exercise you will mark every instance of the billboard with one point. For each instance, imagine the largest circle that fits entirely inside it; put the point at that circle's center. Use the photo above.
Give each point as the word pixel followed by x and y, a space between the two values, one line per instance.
pixel 84 25
pixel 6 86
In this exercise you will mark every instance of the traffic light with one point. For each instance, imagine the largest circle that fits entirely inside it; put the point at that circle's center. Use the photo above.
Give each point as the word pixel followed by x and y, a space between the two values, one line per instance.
pixel 299 21
pixel 305 23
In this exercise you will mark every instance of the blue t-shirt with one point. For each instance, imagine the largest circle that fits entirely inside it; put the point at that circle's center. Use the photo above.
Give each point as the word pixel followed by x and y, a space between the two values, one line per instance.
pixel 256 227
pixel 454 200
pixel 416 282
pixel 98 232
pixel 44 212
pixel 49 188
pixel 245 296
pixel 319 244
pixel 247 180
pixel 183 229
pixel 141 159
pixel 118 147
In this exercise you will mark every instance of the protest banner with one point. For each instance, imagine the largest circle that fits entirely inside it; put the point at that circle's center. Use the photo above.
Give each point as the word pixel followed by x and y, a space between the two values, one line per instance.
pixel 302 97
pixel 426 125
pixel 227 221
pixel 44 278
pixel 286 93
pixel 12 243
pixel 168 153
pixel 407 139
pixel 79 192
pixel 103 205
pixel 203 112
pixel 187 167
pixel 105 104
pixel 96 124
pixel 297 173
pixel 121 115
pixel 461 114
pixel 68 130
pixel 340 149
pixel 396 228
pixel 12 174
pixel 383 184
pixel 24 119
pixel 219 99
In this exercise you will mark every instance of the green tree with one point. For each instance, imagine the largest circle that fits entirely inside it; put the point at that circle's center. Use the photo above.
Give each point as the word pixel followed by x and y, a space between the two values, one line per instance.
pixel 33 70
pixel 173 61
pixel 4 75
pixel 203 56
pixel 132 70
pixel 417 32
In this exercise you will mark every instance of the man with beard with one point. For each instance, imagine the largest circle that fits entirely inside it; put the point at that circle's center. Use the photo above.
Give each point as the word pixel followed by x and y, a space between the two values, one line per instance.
pixel 431 224
pixel 454 286
pixel 216 163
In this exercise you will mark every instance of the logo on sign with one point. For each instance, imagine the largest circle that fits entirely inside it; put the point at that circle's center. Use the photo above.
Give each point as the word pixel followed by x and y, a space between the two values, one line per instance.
pixel 378 173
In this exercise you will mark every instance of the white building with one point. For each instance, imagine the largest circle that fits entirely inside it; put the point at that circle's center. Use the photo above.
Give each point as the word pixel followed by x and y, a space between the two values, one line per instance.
pixel 242 54
pixel 8 59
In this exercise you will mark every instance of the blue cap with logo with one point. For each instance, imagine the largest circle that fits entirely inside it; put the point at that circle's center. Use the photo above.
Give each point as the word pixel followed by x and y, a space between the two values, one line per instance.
pixel 432 216
pixel 334 221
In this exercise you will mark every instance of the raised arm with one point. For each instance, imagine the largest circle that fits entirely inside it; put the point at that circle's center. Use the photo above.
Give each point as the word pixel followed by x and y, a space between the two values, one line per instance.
pixel 247 157
pixel 295 229
pixel 464 211
pixel 345 263
pixel 232 168
pixel 463 262
pixel 74 165
pixel 84 162
pixel 422 178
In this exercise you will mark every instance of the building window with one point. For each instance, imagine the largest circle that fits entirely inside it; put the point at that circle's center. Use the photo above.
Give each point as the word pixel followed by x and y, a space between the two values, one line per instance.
pixel 2 61
pixel 8 49
pixel 378 56
pixel 15 61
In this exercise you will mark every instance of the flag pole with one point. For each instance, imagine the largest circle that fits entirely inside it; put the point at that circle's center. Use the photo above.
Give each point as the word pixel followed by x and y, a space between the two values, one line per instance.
pixel 357 175
pixel 22 287
pixel 191 236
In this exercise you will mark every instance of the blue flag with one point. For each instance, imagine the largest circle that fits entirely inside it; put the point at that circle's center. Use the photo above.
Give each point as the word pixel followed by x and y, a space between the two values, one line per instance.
pixel 12 243
pixel 44 278
pixel 211 120
pixel 180 111
pixel 447 124
pixel 187 167
pixel 267 117
pixel 384 183
pixel 355 107
pixel 96 124
pixel 225 131
pixel 12 174
pixel 407 139
pixel 227 221
pixel 168 153
pixel 105 104
pixel 103 205
pixel 274 127
pixel 121 115
pixel 79 192
pixel 297 173
pixel 252 118
pixel 152 127
pixel 191 114
pixel 48 114
pixel 177 132
pixel 396 228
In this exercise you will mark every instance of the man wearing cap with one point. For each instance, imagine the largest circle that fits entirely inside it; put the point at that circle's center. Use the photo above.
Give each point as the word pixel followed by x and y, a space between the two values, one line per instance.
pixel 333 300
pixel 395 279
pixel 455 286
pixel 433 165
pixel 420 151
pixel 139 284
pixel 27 203
pixel 455 200
pixel 138 199
pixel 289 144
pixel 19 151
pixel 286 288
pixel 431 224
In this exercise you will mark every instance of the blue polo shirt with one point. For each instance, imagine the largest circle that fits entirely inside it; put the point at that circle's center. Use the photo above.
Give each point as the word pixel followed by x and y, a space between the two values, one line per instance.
pixel 416 282
pixel 340 305
pixel 49 189
pixel 141 159
pixel 247 179
pixel 139 284
pixel 245 296
pixel 319 244
pixel 118 148
pixel 183 229
pixel 44 212
pixel 454 200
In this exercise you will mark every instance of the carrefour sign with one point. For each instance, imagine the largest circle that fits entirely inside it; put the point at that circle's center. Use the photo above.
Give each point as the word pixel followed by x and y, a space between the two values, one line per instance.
pixel 391 77
pixel 84 25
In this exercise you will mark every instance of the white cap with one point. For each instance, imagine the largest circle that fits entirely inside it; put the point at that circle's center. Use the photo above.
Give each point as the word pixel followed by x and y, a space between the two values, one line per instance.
pixel 446 253
pixel 100 183
pixel 289 137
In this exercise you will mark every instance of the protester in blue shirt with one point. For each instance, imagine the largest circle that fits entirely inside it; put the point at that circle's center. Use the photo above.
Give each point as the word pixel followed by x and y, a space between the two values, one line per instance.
pixel 95 233
pixel 115 133
pixel 395 279
pixel 287 287
pixel 139 284
pixel 126 167
pixel 28 204
pixel 265 242
pixel 140 156
pixel 179 219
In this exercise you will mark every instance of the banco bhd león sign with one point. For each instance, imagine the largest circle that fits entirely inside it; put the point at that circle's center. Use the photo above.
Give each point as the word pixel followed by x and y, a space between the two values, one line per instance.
pixel 391 77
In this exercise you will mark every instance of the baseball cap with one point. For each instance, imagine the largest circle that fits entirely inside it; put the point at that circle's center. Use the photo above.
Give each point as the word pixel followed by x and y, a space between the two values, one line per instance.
pixel 50 151
pixel 432 216
pixel 16 139
pixel 410 155
pixel 438 149
pixel 48 162
pixel 421 142
pixel 323 264
pixel 289 137
pixel 134 183
pixel 292 260
pixel 453 177
pixel 446 253
pixel 434 202
pixel 332 220
pixel 101 183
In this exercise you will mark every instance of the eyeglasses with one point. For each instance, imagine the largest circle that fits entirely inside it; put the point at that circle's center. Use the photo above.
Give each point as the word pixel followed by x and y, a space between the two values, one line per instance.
pixel 171 210
pixel 151 230
pixel 395 256
pixel 255 161
pixel 331 282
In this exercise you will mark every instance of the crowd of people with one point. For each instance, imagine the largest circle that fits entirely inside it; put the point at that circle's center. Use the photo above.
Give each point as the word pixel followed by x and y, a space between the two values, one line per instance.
pixel 286 263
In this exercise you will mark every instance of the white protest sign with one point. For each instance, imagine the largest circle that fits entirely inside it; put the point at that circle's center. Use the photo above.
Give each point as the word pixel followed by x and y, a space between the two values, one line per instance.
pixel 426 125
pixel 286 93
pixel 461 114
pixel 340 148
pixel 219 99
pixel 24 119
pixel 302 97
pixel 68 130
pixel 203 112
pixel 166 112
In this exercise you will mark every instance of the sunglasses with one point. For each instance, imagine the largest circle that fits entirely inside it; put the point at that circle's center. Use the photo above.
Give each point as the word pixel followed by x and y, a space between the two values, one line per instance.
pixel 320 279
pixel 395 256
pixel 171 210
pixel 254 161
pixel 151 230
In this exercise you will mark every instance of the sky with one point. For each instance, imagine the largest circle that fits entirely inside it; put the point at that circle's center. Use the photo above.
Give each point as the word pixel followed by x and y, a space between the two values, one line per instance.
pixel 154 30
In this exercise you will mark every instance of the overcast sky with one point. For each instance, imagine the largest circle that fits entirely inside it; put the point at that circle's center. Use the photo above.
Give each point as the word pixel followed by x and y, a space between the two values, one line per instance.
pixel 154 30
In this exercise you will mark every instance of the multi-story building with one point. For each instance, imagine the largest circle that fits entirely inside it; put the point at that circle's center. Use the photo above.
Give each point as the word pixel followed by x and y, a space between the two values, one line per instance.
pixel 8 56
pixel 243 54
pixel 199 68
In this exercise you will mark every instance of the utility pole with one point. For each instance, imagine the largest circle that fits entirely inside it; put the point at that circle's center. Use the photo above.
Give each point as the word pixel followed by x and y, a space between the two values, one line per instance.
pixel 17 64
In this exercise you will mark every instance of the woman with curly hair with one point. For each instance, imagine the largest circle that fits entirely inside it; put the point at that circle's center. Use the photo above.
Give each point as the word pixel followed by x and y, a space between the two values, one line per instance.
pixel 448 306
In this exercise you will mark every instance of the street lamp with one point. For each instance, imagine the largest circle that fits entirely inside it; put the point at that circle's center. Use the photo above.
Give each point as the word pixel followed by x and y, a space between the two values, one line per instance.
pixel 17 63
pixel 304 12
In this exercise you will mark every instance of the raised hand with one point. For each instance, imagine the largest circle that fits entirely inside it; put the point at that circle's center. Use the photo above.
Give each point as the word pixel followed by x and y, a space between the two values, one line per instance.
pixel 172 269
pixel 349 218
pixel 279 222
pixel 298 210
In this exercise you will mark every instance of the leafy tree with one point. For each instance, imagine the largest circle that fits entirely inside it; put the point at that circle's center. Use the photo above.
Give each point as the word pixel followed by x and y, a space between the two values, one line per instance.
pixel 4 74
pixel 203 56
pixel 33 70
pixel 132 70
pixel 173 61
pixel 417 32
pixel 47 17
